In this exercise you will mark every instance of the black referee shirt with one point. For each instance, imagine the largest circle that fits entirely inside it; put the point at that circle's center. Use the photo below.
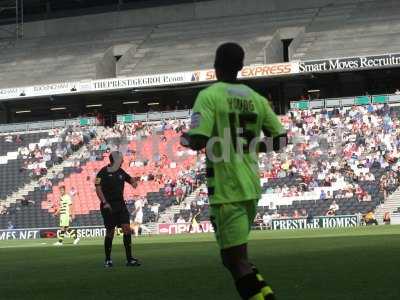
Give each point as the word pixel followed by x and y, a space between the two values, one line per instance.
pixel 112 185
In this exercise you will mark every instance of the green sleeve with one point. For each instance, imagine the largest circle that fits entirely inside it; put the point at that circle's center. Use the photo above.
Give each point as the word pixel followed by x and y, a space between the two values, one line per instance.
pixel 271 121
pixel 203 116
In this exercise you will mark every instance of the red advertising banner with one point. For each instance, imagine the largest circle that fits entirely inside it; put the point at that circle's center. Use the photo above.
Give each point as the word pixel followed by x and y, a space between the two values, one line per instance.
pixel 180 228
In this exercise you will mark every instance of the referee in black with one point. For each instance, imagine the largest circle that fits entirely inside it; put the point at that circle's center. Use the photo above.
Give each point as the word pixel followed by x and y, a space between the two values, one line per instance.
pixel 110 182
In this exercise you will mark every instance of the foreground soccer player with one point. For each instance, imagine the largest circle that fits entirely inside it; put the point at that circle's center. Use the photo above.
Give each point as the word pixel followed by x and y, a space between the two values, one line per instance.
pixel 227 120
pixel 110 182
pixel 65 218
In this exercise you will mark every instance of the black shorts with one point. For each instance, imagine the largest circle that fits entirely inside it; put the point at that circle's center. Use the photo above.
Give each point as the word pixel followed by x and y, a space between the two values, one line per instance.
pixel 115 217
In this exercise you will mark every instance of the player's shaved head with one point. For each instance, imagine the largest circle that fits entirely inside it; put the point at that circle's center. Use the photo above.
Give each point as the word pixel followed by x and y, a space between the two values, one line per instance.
pixel 229 58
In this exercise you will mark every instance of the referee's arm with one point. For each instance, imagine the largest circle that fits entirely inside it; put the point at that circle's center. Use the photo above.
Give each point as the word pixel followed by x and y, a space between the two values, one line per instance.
pixel 133 181
pixel 100 194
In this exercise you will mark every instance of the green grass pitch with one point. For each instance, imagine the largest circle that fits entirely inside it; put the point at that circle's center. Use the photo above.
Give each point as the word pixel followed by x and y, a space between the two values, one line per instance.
pixel 361 263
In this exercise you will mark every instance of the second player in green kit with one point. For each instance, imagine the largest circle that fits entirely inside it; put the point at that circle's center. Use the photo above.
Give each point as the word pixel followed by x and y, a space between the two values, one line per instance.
pixel 228 119
pixel 65 218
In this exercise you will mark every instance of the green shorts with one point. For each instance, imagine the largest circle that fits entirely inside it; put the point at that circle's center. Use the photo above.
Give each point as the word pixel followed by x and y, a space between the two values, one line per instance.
pixel 64 220
pixel 232 222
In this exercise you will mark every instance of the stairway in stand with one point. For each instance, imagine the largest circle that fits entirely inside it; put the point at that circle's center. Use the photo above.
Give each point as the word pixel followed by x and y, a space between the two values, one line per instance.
pixel 391 205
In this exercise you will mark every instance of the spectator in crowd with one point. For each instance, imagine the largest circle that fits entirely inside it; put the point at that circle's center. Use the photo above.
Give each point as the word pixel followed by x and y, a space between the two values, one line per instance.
pixel 370 219
pixel 10 225
pixel 45 184
pixel 333 155
pixel 333 208
pixel 8 139
pixel 3 209
pixel 25 201
pixel 341 149
pixel 267 220
pixel 180 220
pixel 73 192
pixel 258 221
pixel 386 217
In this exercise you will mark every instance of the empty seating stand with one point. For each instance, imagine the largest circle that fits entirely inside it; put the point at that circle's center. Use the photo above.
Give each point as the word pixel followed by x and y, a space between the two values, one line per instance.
pixel 62 58
pixel 11 175
pixel 25 140
pixel 341 30
pixel 337 30
pixel 190 45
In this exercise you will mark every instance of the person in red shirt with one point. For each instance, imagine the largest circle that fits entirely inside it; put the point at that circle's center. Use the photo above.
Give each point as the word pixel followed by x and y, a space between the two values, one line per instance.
pixel 179 195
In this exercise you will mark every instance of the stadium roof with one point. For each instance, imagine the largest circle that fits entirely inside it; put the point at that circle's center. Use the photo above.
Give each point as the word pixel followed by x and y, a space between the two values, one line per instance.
pixel 48 9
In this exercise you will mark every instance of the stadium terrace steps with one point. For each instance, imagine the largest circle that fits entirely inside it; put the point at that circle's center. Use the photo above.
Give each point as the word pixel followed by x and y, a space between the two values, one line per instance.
pixel 186 45
pixel 235 23
pixel 26 139
pixel 382 10
pixel 169 213
pixel 12 179
pixel 186 203
pixel 71 57
pixel 30 186
pixel 351 30
pixel 172 212
pixel 339 29
pixel 33 215
pixel 391 205
pixel 30 216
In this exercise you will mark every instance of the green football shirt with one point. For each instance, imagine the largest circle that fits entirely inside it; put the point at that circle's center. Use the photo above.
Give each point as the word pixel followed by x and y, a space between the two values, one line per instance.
pixel 66 201
pixel 232 116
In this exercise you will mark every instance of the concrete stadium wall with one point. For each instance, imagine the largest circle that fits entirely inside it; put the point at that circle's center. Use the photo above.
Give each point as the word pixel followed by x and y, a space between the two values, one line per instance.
pixel 106 67
pixel 166 14
pixel 273 51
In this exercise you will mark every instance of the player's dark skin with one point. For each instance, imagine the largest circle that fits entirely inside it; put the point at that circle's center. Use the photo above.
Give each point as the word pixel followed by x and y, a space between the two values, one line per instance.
pixel 235 259
pixel 249 283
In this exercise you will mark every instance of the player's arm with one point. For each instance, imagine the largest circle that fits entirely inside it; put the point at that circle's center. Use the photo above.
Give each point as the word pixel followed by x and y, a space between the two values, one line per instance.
pixel 201 123
pixel 70 208
pixel 70 212
pixel 273 129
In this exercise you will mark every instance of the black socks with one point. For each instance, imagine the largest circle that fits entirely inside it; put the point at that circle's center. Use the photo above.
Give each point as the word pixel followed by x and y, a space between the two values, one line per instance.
pixel 107 247
pixel 61 237
pixel 73 233
pixel 253 287
pixel 128 246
